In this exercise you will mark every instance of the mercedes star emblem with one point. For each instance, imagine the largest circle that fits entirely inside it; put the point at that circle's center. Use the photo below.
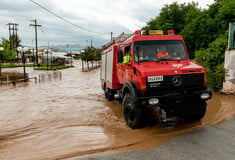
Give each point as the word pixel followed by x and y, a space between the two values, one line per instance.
pixel 176 80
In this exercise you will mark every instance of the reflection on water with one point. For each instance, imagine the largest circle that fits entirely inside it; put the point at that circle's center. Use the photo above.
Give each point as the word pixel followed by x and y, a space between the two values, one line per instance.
pixel 70 117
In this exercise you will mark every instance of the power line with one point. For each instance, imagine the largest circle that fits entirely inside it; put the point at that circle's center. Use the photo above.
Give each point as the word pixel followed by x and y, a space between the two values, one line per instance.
pixel 77 37
pixel 60 17
pixel 50 37
pixel 53 38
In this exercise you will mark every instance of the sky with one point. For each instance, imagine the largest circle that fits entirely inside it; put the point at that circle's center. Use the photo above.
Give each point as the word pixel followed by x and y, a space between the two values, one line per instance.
pixel 91 19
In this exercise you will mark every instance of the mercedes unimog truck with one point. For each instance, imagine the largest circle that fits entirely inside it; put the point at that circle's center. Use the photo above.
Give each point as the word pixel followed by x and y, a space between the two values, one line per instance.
pixel 152 76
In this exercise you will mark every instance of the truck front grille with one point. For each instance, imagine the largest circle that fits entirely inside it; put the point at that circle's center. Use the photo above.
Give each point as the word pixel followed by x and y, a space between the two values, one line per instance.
pixel 175 84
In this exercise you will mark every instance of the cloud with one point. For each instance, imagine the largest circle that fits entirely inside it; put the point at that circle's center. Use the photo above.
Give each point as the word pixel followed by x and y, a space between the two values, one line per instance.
pixel 103 16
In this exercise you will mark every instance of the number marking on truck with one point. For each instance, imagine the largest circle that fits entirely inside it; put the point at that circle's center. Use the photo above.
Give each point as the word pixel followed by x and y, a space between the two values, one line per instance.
pixel 155 79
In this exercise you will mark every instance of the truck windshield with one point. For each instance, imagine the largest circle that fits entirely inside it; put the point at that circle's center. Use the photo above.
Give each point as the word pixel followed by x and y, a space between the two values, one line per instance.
pixel 159 50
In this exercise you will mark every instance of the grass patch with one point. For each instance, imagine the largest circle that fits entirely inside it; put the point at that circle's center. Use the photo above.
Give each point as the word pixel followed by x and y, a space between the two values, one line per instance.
pixel 53 67
pixel 77 57
pixel 42 67
pixel 16 65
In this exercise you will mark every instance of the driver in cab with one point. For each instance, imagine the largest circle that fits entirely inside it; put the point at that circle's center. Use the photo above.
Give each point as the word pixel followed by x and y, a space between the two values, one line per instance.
pixel 127 57
pixel 162 52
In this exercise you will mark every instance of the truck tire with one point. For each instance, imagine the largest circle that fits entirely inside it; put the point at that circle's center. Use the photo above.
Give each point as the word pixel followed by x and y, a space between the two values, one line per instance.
pixel 108 94
pixel 134 115
pixel 199 113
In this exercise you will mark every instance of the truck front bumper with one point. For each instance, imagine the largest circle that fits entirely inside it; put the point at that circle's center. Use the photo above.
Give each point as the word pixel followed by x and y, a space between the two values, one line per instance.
pixel 158 100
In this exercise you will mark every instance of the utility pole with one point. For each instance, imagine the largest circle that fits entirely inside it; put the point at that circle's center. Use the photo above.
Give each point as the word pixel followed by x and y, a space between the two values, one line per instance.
pixel 9 24
pixel 16 36
pixel 13 36
pixel 36 39
pixel 91 42
pixel 47 55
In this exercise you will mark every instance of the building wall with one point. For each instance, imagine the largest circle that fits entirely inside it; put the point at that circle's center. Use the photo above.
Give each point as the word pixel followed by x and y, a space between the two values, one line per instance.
pixel 229 65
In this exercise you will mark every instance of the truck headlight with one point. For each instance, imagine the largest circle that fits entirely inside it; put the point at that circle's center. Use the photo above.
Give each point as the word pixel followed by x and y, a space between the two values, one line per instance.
pixel 205 96
pixel 153 101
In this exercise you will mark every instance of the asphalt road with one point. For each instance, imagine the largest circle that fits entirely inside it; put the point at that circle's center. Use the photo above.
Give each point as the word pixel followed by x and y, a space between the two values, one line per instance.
pixel 208 143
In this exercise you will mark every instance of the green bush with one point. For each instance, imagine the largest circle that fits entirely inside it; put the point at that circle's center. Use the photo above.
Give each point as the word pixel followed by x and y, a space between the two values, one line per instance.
pixel 16 65
pixel 212 59
pixel 201 57
pixel 215 79
pixel 77 57
pixel 52 67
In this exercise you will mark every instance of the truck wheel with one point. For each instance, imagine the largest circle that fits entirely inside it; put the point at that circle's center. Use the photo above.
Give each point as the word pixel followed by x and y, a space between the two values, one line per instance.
pixel 134 116
pixel 199 114
pixel 108 94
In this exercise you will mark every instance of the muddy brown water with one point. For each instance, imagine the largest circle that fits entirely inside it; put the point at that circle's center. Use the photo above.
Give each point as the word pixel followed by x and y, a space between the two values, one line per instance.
pixel 69 117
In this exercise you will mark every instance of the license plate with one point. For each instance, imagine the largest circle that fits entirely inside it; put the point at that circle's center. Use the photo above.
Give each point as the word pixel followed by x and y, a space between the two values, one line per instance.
pixel 155 79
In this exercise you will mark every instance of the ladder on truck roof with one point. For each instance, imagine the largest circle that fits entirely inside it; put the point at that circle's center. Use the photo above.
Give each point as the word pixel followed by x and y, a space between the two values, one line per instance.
pixel 121 38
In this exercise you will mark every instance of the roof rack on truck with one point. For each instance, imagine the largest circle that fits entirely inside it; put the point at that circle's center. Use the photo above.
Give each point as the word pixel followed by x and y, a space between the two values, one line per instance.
pixel 122 37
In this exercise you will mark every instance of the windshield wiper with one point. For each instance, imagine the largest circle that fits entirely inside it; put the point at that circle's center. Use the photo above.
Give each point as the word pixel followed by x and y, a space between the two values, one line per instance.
pixel 164 59
pixel 145 60
pixel 149 60
pixel 177 59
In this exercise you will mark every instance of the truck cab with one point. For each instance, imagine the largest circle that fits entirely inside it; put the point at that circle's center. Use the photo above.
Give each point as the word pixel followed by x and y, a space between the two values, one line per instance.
pixel 151 75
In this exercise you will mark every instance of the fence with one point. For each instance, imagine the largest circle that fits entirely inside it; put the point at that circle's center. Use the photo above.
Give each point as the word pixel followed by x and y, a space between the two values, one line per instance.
pixel 49 76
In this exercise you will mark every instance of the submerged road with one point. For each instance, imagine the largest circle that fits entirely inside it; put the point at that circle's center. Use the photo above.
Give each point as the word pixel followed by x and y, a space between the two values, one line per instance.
pixel 69 117
pixel 208 143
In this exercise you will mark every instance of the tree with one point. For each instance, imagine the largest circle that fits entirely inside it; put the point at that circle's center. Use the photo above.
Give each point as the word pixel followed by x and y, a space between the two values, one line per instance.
pixel 8 53
pixel 198 27
pixel 98 54
pixel 172 16
pixel 203 31
pixel 180 17
pixel 91 54
pixel 15 42
pixel 199 32
pixel 208 25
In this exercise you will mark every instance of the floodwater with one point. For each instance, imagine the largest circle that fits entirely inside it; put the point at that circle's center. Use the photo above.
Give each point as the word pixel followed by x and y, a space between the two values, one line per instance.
pixel 69 117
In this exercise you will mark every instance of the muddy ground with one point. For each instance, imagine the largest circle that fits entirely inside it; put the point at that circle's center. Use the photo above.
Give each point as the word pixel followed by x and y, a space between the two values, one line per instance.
pixel 69 117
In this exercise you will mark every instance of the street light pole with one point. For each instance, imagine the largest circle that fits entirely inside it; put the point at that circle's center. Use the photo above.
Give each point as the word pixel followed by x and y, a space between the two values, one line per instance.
pixel 22 50
pixel 51 60
pixel 24 67
pixel 47 54
pixel 1 50
pixel 33 55
pixel 71 59
pixel 47 59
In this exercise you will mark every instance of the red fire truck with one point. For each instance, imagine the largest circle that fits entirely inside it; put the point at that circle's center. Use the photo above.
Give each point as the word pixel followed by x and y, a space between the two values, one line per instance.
pixel 152 76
